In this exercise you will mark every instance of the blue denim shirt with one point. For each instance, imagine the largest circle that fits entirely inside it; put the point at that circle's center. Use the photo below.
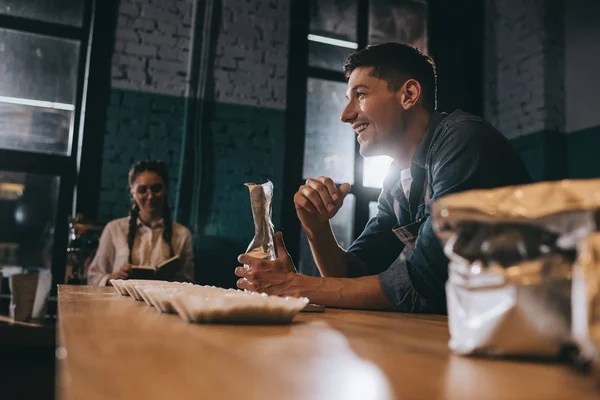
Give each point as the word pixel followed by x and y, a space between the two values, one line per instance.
pixel 458 152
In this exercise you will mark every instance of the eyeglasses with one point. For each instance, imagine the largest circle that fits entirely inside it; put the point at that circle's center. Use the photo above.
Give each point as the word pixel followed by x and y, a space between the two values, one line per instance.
pixel 156 189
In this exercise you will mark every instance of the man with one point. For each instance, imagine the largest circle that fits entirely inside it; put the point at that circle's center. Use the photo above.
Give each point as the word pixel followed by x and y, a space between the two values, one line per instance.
pixel 391 107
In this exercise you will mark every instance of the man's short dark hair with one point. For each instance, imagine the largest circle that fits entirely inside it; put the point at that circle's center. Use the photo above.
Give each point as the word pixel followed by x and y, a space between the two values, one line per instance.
pixel 396 63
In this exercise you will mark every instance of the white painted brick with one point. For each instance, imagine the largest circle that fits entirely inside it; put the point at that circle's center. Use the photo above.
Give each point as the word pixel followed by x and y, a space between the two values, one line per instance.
pixel 522 64
pixel 167 28
pixel 135 75
pixel 144 24
pixel 186 18
pixel 251 53
pixel 129 9
pixel 162 4
pixel 166 66
pixel 117 73
pixel 182 43
pixel 251 49
pixel 226 63
pixel 124 21
pixel 169 53
pixel 236 52
pixel 119 46
pixel 140 49
pixel 126 35
pixel 184 30
pixel 129 60
pixel 156 38
pixel 153 12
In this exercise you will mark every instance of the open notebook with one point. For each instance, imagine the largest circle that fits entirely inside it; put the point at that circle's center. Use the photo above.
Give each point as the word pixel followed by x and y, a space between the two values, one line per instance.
pixel 163 271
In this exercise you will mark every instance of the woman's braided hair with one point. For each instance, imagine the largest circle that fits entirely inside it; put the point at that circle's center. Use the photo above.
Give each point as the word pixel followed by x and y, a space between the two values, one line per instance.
pixel 159 168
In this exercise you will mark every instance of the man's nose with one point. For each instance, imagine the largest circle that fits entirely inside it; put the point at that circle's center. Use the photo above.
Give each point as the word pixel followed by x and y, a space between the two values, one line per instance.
pixel 349 114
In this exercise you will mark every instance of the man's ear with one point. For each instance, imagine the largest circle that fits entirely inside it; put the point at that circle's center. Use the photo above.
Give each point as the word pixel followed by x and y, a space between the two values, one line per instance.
pixel 410 94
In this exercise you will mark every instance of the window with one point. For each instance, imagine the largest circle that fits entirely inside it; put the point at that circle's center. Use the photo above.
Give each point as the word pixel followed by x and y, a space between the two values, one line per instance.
pixel 43 62
pixel 329 144
pixel 38 82
pixel 28 211
pixel 334 29
pixel 65 12
pixel 332 35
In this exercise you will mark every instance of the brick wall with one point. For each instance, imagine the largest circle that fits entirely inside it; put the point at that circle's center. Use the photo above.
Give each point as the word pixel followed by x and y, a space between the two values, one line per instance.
pixel 524 73
pixel 145 117
pixel 524 80
pixel 582 40
pixel 152 46
pixel 244 118
pixel 540 83
pixel 138 126
pixel 251 53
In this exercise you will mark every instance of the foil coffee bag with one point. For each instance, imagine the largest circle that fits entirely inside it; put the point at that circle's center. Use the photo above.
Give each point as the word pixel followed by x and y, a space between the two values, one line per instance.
pixel 586 301
pixel 511 253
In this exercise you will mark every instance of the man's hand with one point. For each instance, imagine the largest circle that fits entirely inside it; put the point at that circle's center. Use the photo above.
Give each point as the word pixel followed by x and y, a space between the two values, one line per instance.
pixel 275 277
pixel 279 277
pixel 318 200
pixel 122 273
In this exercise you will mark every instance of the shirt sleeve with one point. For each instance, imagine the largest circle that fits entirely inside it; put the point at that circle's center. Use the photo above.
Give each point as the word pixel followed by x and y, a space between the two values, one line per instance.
pixel 102 264
pixel 186 256
pixel 377 246
pixel 466 158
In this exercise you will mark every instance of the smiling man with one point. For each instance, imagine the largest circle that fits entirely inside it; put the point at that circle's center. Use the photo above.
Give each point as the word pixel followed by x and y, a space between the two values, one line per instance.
pixel 392 108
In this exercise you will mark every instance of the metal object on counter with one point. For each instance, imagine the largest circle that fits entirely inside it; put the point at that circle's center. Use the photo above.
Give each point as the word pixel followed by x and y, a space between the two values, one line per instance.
pixel 523 309
pixel 586 300
pixel 511 254
pixel 82 246
pixel 262 245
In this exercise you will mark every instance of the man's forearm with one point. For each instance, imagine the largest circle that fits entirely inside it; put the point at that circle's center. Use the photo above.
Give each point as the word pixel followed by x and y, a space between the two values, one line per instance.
pixel 357 293
pixel 329 256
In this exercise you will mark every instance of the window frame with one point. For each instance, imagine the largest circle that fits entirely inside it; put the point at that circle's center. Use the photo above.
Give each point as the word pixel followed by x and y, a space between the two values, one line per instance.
pixel 298 74
pixel 65 167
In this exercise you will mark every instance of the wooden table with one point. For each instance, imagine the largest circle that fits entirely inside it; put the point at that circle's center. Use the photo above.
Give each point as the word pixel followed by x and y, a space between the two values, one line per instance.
pixel 116 348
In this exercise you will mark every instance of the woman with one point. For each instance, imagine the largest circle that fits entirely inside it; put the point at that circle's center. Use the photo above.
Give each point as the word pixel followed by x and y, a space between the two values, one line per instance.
pixel 148 236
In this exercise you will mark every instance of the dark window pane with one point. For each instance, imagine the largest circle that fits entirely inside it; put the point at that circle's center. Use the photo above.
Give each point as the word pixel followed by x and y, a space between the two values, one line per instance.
pixel 38 78
pixel 27 217
pixel 402 21
pixel 327 56
pixel 329 144
pixel 66 12
pixel 333 19
pixel 372 209
pixel 343 228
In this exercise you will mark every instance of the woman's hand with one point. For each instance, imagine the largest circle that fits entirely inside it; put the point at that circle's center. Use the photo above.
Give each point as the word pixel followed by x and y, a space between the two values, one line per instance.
pixel 122 273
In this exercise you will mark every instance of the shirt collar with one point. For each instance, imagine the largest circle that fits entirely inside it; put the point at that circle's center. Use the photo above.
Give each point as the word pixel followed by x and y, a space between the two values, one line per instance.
pixel 160 223
pixel 417 163
pixel 420 156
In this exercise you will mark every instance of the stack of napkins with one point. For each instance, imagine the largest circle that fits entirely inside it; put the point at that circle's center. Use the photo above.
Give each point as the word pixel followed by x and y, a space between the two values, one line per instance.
pixel 196 303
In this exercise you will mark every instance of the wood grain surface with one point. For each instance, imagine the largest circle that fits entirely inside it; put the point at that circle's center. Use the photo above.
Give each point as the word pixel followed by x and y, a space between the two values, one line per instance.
pixel 112 347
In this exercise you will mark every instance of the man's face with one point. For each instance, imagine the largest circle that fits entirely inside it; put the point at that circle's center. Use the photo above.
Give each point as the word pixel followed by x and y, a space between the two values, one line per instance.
pixel 373 111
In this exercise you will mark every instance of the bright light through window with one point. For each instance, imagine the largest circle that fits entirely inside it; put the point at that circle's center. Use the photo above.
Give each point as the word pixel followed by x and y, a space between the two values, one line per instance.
pixel 374 170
